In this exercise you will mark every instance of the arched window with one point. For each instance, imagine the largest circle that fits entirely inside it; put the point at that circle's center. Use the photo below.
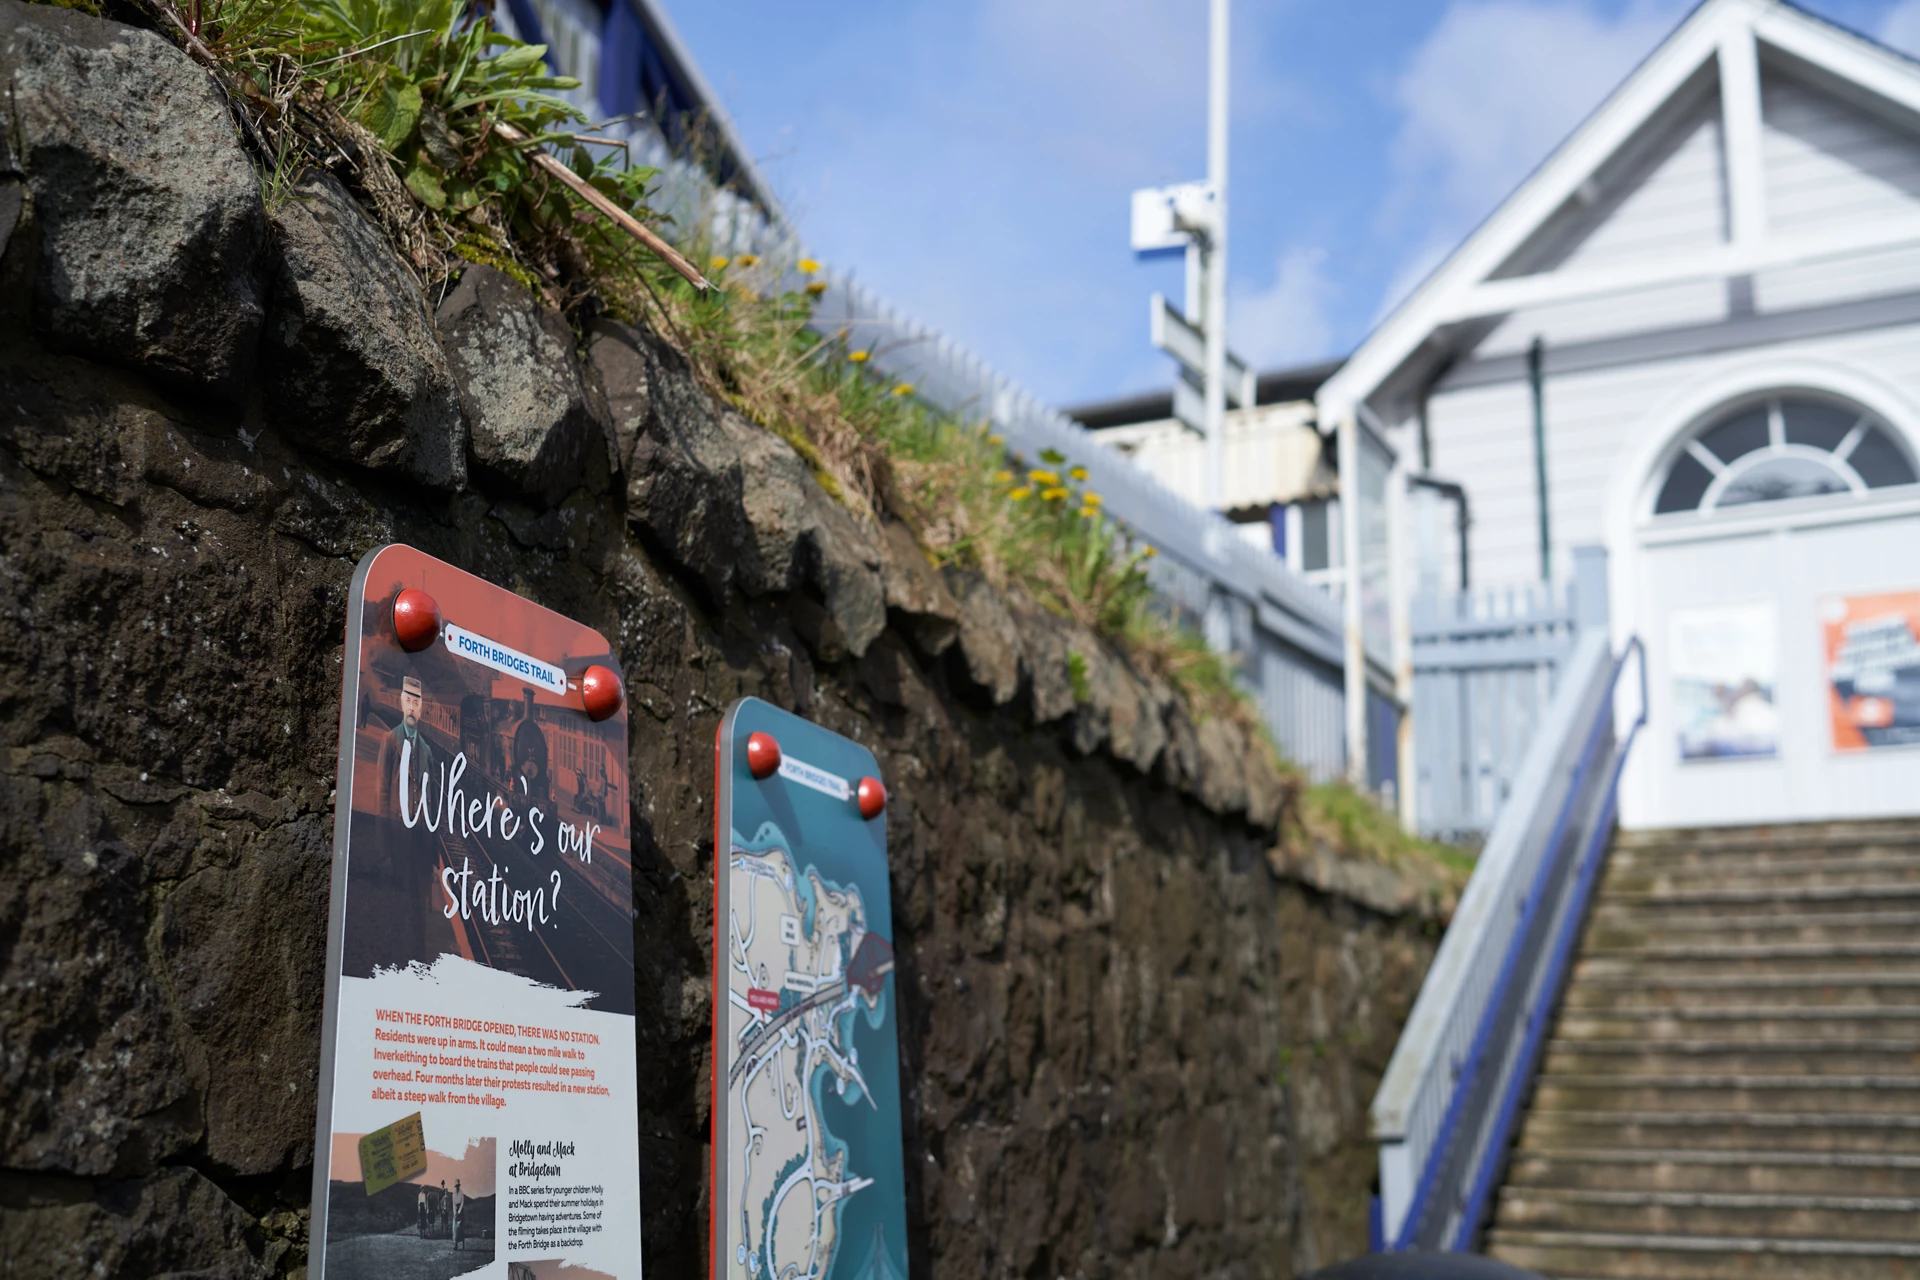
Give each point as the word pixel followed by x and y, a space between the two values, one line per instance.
pixel 1786 446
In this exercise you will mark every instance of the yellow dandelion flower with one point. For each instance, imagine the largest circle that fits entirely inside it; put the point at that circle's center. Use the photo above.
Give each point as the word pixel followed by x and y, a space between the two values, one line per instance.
pixel 1054 494
pixel 716 263
pixel 903 389
pixel 816 287
pixel 858 357
pixel 1003 477
pixel 1077 473
pixel 1088 513
pixel 747 259
pixel 1150 553
pixel 1021 494
pixel 807 266
pixel 1091 499
pixel 996 439
pixel 1048 478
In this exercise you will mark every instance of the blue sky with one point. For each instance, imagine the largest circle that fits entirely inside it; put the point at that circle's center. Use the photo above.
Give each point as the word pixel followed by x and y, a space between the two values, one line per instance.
pixel 971 159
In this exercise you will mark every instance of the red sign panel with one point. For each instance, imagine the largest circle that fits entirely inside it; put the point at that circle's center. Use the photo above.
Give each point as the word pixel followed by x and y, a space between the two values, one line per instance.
pixel 480 948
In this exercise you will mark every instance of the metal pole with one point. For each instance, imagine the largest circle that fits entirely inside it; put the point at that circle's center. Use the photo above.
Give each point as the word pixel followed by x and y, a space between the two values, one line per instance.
pixel 1356 665
pixel 1399 592
pixel 1216 256
pixel 1537 379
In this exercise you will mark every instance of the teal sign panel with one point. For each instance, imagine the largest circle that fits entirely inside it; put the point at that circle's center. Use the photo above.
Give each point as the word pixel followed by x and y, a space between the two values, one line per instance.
pixel 808 1167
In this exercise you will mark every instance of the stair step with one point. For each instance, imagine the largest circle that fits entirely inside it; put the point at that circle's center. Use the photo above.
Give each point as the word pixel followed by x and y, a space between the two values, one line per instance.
pixel 1810 835
pixel 1809 1058
pixel 1755 1024
pixel 1560 1128
pixel 1879 958
pixel 1605 1255
pixel 1623 990
pixel 1732 1085
pixel 1788 874
pixel 1706 1213
pixel 1677 1169
pixel 1623 932
pixel 1759 912
pixel 1730 858
pixel 1734 1094
pixel 1770 899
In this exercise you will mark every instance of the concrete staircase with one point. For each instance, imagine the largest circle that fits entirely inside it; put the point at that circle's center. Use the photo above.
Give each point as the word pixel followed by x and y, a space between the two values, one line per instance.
pixel 1733 1086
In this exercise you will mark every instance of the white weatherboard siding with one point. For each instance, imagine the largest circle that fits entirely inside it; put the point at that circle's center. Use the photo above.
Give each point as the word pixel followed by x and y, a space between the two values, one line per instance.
pixel 1833 167
pixel 1485 435
pixel 1669 202
pixel 1830 164
pixel 1830 167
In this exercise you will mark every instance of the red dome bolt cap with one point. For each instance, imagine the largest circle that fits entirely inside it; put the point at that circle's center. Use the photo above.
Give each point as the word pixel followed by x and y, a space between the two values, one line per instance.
pixel 600 691
pixel 416 619
pixel 763 755
pixel 872 797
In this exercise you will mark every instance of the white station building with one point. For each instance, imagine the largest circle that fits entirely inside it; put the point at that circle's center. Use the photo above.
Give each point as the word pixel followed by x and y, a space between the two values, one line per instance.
pixel 1713 288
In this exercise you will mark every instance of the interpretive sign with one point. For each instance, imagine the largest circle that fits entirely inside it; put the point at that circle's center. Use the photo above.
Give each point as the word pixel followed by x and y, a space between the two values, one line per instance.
pixel 477 1107
pixel 1872 649
pixel 806 1114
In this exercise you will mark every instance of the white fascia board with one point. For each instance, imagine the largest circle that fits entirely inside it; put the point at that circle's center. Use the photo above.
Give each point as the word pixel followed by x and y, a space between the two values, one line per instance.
pixel 1878 70
pixel 1499 297
pixel 1641 96
pixel 1740 130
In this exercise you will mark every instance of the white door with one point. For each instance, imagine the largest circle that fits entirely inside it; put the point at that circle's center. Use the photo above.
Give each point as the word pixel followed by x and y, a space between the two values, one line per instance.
pixel 1778 595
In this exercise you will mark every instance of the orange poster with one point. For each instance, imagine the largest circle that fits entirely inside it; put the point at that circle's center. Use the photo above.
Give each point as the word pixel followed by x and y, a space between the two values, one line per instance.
pixel 1872 652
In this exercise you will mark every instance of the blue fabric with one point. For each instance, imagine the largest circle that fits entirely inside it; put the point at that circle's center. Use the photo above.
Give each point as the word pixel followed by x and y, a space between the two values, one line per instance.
pixel 527 22
pixel 623 43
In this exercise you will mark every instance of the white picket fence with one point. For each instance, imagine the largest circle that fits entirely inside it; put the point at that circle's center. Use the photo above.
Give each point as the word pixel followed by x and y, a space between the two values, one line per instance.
pixel 1485 666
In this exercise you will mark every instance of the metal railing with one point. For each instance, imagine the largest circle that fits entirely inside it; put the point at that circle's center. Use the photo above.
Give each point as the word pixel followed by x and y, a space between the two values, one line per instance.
pixel 1445 1111
pixel 1485 665
pixel 1285 633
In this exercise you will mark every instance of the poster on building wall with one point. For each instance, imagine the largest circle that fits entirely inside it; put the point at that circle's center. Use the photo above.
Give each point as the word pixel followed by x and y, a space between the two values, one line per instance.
pixel 1723 661
pixel 477 1112
pixel 1872 651
pixel 806 1115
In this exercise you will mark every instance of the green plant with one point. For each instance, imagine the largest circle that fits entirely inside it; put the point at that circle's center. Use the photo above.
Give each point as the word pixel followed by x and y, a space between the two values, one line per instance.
pixel 439 114
pixel 1352 821
pixel 432 115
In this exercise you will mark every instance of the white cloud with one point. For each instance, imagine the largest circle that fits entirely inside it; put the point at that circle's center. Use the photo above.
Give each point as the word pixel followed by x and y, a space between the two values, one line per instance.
pixel 1286 323
pixel 1900 27
pixel 1106 86
pixel 1500 83
pixel 1487 97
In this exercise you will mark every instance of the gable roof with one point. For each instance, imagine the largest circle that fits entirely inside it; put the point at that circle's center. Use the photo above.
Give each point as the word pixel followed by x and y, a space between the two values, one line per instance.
pixel 1718 44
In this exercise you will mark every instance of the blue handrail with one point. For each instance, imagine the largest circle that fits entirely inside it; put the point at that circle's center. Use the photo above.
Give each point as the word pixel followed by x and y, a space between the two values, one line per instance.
pixel 1493 1158
pixel 1539 1017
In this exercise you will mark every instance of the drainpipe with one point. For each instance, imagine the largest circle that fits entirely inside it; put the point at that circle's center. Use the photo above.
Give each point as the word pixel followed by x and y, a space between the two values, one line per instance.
pixel 1538 382
pixel 1424 478
pixel 1462 517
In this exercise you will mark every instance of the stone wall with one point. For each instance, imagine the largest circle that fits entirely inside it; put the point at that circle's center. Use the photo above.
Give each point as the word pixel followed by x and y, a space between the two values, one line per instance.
pixel 1140 1029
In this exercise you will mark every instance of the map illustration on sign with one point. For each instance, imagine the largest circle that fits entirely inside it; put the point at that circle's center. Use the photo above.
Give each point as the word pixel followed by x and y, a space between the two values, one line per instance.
pixel 807 1145
pixel 477 1111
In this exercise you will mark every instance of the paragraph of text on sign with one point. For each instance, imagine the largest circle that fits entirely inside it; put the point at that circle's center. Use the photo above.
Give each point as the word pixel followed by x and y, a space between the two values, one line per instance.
pixel 430 1057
